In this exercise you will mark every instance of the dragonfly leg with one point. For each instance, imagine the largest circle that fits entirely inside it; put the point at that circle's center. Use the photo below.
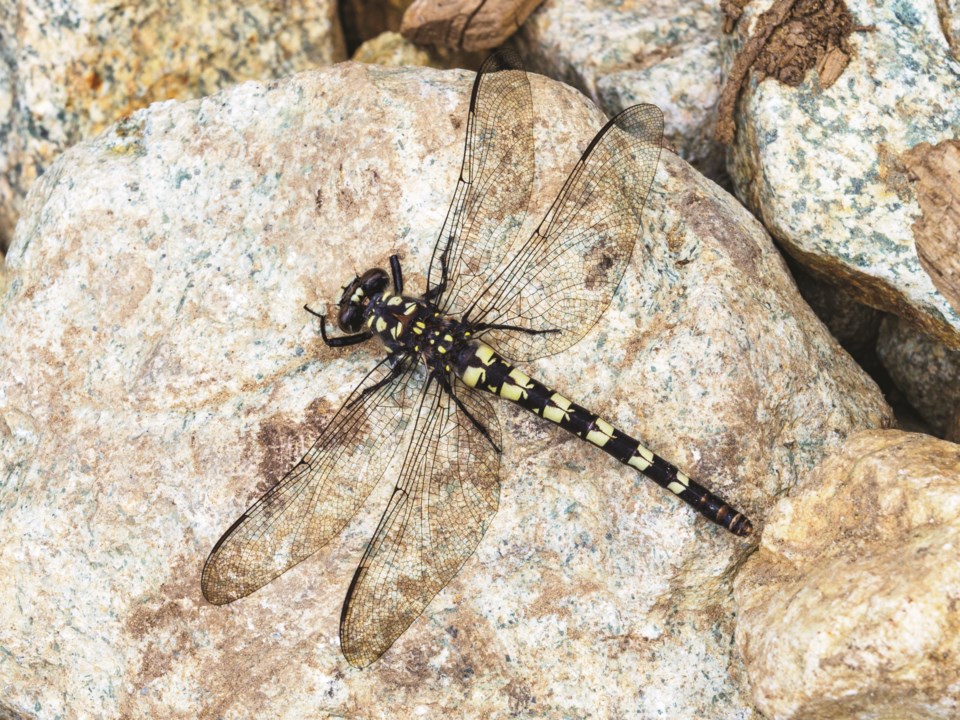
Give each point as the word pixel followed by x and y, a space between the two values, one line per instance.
pixel 397 275
pixel 515 328
pixel 396 369
pixel 338 341
pixel 445 382
pixel 433 293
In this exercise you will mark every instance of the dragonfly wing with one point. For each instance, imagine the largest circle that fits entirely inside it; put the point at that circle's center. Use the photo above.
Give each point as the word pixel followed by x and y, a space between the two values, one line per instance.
pixel 316 499
pixel 446 496
pixel 562 278
pixel 490 202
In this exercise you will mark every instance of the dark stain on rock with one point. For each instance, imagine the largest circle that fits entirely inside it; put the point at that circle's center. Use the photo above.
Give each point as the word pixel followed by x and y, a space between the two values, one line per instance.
pixel 704 219
pixel 282 442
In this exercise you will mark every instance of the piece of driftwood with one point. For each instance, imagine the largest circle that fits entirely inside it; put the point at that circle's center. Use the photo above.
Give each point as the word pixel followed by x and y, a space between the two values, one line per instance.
pixel 465 24
pixel 937 231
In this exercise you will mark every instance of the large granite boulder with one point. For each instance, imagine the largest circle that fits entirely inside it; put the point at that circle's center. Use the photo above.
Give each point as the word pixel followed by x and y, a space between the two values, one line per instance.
pixel 159 374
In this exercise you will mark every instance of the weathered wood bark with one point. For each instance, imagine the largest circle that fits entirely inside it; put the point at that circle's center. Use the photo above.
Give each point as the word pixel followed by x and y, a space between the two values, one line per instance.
pixel 465 24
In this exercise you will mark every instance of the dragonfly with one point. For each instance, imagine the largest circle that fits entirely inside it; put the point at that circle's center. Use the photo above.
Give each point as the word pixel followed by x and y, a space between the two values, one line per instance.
pixel 494 297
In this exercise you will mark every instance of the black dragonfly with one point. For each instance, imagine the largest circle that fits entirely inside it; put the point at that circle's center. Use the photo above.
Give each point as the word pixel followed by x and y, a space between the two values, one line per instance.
pixel 488 287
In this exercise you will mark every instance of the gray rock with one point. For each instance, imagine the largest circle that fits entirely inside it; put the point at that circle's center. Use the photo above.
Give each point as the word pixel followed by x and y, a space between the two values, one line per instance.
pixel 160 374
pixel 824 166
pixel 926 371
pixel 848 609
pixel 621 53
pixel 69 69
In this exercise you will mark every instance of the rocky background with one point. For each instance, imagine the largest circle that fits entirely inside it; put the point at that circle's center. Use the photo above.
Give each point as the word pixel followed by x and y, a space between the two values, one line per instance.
pixel 177 179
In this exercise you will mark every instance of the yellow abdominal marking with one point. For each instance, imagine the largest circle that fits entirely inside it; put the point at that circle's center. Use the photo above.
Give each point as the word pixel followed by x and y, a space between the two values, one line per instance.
pixel 683 479
pixel 473 376
pixel 518 388
pixel 381 325
pixel 642 460
pixel 559 411
pixel 602 434
pixel 485 354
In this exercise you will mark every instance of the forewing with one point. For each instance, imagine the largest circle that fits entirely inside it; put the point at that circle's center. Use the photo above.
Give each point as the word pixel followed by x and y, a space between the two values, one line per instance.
pixel 316 499
pixel 562 279
pixel 446 497
pixel 492 194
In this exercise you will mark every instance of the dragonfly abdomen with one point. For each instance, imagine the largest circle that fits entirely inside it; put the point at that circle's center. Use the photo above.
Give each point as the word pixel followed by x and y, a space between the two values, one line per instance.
pixel 484 369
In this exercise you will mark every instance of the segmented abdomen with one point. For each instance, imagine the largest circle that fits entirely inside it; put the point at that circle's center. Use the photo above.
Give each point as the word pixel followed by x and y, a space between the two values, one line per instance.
pixel 484 369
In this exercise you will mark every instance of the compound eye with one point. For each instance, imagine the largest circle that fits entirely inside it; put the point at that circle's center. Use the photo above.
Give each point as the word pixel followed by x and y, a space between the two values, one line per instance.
pixel 350 318
pixel 374 281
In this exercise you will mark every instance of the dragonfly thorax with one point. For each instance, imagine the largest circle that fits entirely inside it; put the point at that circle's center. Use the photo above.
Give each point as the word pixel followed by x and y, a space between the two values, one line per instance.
pixel 415 326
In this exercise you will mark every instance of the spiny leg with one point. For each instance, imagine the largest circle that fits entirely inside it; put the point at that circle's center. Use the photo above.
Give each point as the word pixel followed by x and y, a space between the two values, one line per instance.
pixel 432 294
pixel 448 386
pixel 515 328
pixel 396 369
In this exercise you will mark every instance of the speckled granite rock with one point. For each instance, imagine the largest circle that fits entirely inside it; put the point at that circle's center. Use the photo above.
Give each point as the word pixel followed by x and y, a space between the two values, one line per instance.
pixel 160 378
pixel 849 609
pixel 69 69
pixel 826 168
pixel 926 371
pixel 628 51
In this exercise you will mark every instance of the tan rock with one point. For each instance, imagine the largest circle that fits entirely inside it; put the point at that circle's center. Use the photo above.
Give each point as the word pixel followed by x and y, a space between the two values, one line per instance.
pixel 390 48
pixel 159 374
pixel 79 65
pixel 465 24
pixel 849 608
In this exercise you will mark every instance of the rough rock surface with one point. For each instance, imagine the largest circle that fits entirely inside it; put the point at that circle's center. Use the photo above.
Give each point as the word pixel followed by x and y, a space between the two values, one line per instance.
pixel 70 69
pixel 828 168
pixel 161 374
pixel 621 53
pixel 926 371
pixel 850 607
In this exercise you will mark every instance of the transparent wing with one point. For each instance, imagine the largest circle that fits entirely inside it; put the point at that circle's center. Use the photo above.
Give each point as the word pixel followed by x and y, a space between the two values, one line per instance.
pixel 446 497
pixel 490 202
pixel 316 499
pixel 562 278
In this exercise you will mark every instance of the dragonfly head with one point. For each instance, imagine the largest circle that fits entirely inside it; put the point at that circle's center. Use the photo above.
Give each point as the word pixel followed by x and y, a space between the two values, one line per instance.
pixel 356 298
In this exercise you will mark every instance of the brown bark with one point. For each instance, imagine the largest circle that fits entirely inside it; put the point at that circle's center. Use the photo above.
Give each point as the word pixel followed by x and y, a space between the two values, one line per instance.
pixel 937 231
pixel 465 24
